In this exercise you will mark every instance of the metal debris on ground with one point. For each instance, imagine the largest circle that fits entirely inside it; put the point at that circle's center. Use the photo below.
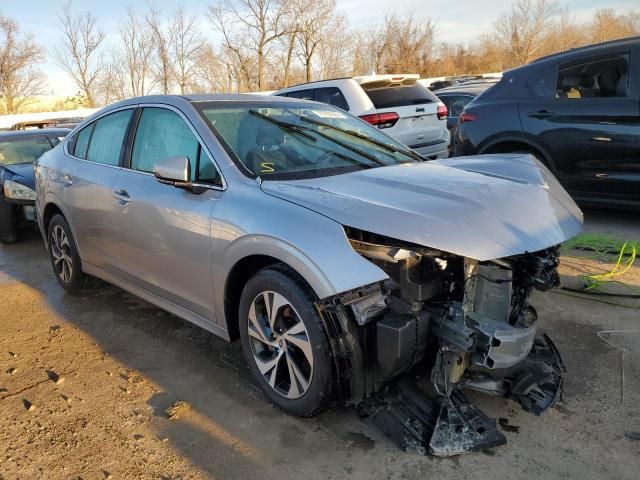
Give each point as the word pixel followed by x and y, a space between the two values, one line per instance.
pixel 177 409
pixel 605 336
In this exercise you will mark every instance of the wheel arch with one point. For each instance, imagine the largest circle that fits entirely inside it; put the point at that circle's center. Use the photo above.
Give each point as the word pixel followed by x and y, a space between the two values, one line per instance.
pixel 247 255
pixel 52 207
pixel 514 144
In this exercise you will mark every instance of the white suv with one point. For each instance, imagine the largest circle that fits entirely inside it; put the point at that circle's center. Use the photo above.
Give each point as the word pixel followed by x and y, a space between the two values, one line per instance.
pixel 399 104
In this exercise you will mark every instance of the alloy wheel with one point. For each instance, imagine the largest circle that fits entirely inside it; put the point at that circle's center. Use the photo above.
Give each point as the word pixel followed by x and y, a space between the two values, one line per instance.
pixel 61 253
pixel 280 345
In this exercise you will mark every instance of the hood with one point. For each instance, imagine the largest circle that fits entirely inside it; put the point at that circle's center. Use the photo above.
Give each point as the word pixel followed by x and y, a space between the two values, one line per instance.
pixel 24 172
pixel 483 207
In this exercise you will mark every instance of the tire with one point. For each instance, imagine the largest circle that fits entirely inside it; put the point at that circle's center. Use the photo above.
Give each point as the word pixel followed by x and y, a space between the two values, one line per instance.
pixel 65 261
pixel 296 346
pixel 8 227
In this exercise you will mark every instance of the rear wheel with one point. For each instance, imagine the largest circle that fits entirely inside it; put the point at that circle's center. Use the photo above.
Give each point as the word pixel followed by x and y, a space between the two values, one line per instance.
pixel 284 342
pixel 8 227
pixel 65 260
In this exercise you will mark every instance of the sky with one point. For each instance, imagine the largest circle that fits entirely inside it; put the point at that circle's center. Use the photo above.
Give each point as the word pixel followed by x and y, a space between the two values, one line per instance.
pixel 457 21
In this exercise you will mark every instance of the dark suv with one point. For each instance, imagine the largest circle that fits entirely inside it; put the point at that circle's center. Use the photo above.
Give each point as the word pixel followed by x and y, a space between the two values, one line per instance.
pixel 578 112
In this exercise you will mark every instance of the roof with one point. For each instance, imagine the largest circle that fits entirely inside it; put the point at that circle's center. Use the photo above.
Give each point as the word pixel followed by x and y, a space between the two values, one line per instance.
pixel 35 131
pixel 475 89
pixel 595 48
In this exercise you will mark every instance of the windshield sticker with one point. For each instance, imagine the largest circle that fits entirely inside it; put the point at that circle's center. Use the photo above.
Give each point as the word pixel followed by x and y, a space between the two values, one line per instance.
pixel 328 114
pixel 267 167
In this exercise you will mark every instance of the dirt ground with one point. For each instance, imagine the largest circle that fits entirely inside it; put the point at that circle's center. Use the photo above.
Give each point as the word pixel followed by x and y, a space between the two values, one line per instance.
pixel 86 386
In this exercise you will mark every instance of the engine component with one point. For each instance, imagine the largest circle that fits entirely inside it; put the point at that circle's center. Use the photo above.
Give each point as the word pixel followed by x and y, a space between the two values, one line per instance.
pixel 400 341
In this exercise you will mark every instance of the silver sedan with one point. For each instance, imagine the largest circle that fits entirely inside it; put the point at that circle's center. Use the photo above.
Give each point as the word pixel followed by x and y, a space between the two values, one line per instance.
pixel 339 258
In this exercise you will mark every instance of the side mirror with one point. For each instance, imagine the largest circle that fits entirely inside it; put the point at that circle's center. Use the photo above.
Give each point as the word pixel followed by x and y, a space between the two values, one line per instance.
pixel 174 171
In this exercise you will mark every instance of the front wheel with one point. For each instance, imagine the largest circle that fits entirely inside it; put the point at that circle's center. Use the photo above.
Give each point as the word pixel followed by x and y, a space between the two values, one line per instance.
pixel 285 343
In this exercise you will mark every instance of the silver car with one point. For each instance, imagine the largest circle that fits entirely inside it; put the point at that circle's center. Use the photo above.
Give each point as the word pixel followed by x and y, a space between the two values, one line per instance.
pixel 343 262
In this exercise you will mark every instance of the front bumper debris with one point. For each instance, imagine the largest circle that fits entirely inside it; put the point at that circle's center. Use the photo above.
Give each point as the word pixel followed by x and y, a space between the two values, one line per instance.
pixel 425 422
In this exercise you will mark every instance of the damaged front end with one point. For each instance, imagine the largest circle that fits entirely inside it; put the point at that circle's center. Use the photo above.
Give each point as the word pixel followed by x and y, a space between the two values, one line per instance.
pixel 457 322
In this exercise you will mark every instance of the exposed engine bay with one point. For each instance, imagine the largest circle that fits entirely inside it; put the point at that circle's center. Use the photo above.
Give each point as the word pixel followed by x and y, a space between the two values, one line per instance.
pixel 461 323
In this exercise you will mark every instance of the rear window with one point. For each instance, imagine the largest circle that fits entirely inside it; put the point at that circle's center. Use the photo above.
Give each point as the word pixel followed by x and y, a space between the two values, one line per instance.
pixel 23 150
pixel 399 96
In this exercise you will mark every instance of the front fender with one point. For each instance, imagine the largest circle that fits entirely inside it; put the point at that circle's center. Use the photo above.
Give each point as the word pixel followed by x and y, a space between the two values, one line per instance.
pixel 318 250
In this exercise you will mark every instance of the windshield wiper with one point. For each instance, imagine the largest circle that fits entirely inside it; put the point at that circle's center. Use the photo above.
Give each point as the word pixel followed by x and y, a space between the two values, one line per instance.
pixel 286 125
pixel 303 131
pixel 362 136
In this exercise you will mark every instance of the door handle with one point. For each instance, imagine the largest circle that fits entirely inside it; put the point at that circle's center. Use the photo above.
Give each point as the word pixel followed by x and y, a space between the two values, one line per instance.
pixel 122 196
pixel 66 180
pixel 540 114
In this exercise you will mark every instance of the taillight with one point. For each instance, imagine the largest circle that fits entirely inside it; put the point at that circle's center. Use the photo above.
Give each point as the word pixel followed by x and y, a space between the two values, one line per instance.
pixel 466 117
pixel 381 120
pixel 442 111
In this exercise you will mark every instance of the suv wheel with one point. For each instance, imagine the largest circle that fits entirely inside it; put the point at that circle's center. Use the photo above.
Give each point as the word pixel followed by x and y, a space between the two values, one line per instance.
pixel 284 342
pixel 65 260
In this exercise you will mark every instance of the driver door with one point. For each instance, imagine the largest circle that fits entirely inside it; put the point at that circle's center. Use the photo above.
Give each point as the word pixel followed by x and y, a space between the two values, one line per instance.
pixel 164 232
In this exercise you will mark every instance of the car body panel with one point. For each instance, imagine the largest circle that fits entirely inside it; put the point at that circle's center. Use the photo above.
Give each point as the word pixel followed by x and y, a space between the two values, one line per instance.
pixel 483 207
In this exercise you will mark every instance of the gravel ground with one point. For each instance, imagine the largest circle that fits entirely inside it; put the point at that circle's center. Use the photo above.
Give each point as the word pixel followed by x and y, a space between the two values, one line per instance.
pixel 107 386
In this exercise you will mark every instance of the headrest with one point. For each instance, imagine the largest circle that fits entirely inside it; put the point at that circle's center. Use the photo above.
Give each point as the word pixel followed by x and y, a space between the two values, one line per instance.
pixel 586 81
pixel 608 80
pixel 269 135
pixel 570 81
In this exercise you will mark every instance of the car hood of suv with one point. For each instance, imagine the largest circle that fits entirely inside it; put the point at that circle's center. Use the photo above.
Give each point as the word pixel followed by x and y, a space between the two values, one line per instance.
pixel 483 207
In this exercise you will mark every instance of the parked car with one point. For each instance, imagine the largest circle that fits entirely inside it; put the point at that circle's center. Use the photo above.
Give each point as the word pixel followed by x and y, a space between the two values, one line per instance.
pixel 397 104
pixel 456 98
pixel 18 150
pixel 337 257
pixel 578 112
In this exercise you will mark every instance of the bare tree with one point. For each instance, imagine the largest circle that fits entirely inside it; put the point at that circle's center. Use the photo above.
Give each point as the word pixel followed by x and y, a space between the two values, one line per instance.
pixel 186 45
pixel 79 53
pixel 565 33
pixel 339 52
pixel 257 24
pixel 524 29
pixel 410 42
pixel 212 75
pixel 607 25
pixel 162 39
pixel 20 81
pixel 137 45
pixel 113 81
pixel 315 19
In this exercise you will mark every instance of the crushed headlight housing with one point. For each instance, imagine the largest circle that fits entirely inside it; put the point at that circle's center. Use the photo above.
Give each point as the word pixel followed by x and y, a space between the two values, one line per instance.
pixel 17 191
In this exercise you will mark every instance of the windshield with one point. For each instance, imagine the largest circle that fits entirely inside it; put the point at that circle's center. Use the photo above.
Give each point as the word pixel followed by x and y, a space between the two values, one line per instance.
pixel 286 140
pixel 23 150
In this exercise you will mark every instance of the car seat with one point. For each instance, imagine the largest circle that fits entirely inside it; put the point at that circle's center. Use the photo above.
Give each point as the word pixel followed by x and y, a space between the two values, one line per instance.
pixel 267 157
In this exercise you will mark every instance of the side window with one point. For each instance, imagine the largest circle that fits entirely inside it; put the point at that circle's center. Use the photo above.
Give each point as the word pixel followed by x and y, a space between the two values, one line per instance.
pixel 456 103
pixel 303 94
pixel 601 78
pixel 332 96
pixel 81 141
pixel 106 142
pixel 161 134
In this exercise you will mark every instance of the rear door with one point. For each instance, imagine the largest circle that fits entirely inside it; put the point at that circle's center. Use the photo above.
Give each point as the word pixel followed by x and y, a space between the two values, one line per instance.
pixel 85 178
pixel 590 125
pixel 411 111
